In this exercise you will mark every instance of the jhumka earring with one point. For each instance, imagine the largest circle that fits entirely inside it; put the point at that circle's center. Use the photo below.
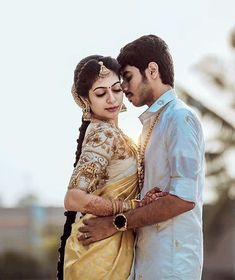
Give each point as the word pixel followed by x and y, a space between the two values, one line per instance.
pixel 123 108
pixel 82 103
pixel 104 71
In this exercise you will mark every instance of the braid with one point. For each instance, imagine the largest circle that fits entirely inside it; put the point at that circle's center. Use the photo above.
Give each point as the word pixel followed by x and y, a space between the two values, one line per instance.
pixel 70 215
pixel 82 131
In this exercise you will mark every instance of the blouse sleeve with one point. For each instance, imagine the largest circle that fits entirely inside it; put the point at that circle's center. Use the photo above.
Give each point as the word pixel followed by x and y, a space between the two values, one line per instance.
pixel 91 170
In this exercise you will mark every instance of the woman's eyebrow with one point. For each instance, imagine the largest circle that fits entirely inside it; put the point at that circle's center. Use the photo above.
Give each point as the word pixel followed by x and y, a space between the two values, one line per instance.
pixel 118 82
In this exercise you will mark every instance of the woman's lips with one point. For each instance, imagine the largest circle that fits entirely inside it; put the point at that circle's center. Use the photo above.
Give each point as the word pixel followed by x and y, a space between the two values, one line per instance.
pixel 113 109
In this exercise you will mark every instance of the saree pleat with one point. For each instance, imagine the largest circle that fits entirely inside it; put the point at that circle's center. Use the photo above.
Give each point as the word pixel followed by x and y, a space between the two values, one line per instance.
pixel 108 259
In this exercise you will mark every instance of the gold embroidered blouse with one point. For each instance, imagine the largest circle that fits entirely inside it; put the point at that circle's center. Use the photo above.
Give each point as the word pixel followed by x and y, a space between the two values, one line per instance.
pixel 107 156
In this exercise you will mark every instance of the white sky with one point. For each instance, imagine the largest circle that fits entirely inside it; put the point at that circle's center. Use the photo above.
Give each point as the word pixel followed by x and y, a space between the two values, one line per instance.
pixel 41 43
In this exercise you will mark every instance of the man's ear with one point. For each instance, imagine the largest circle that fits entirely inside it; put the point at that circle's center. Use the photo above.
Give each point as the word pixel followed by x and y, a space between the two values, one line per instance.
pixel 152 69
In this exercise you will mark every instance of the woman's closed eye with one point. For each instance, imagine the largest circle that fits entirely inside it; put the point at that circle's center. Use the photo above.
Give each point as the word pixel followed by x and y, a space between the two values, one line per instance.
pixel 116 88
pixel 100 94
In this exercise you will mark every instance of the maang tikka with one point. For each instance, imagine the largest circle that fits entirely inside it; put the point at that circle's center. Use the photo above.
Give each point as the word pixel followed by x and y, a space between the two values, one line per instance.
pixel 82 103
pixel 104 71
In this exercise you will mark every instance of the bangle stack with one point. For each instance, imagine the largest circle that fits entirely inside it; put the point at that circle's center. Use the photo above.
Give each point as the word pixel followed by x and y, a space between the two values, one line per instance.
pixel 135 203
pixel 120 206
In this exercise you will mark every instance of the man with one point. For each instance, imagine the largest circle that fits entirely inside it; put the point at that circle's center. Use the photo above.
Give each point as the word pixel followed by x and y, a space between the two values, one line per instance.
pixel 169 229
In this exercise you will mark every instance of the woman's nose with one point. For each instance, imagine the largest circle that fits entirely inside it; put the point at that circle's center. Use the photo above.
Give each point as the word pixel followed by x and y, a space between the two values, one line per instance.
pixel 111 97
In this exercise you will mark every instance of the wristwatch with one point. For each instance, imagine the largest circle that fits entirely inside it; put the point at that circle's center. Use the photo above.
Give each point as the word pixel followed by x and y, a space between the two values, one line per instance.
pixel 120 222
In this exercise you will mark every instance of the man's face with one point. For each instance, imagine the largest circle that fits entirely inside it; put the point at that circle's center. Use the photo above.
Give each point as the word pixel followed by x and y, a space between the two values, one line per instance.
pixel 136 87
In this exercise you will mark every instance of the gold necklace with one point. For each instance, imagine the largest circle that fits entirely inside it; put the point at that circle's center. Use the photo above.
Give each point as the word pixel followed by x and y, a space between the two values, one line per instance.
pixel 130 143
pixel 141 152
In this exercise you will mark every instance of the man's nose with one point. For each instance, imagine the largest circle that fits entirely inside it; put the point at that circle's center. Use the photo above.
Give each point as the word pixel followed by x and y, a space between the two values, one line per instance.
pixel 124 87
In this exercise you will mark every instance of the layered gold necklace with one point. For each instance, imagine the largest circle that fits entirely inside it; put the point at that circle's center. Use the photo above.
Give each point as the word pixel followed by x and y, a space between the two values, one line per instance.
pixel 141 152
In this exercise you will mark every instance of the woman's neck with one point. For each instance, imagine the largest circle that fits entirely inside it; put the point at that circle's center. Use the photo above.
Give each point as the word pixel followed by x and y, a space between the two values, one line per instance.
pixel 96 119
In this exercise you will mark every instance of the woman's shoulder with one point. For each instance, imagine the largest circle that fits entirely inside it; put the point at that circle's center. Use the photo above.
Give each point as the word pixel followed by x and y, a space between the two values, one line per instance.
pixel 106 136
pixel 103 128
pixel 100 132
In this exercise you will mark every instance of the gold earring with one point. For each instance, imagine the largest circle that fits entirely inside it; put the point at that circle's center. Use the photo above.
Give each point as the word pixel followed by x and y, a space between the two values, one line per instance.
pixel 86 111
pixel 123 108
pixel 82 103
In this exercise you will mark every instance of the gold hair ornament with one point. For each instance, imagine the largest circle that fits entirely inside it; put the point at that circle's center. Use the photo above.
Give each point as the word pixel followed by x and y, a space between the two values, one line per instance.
pixel 104 71
pixel 82 103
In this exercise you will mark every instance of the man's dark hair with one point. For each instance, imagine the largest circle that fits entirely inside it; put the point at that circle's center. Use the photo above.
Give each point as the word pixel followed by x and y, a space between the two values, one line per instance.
pixel 146 49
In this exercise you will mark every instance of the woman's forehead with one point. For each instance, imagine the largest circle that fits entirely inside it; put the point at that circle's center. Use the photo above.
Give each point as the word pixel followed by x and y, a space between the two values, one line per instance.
pixel 107 81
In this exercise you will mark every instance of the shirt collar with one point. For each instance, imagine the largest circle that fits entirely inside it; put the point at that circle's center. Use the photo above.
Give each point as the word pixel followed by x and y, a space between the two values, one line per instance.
pixel 165 98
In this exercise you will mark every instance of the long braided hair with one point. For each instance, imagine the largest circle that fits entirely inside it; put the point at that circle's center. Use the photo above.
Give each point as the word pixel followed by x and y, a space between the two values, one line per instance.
pixel 85 75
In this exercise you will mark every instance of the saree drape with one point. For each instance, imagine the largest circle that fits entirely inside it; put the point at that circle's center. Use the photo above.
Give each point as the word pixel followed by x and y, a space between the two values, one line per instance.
pixel 111 258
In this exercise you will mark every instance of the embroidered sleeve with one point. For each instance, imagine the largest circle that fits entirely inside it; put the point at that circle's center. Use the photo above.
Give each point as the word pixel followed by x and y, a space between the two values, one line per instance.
pixel 91 170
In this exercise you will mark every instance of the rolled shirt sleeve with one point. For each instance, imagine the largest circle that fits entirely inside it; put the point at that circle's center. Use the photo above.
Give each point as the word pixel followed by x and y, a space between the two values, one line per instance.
pixel 184 146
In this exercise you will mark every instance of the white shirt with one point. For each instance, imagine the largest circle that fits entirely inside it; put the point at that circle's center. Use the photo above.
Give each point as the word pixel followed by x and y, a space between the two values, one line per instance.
pixel 174 162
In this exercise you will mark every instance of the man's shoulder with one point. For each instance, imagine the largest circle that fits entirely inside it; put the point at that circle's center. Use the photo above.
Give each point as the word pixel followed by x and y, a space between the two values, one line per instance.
pixel 178 108
pixel 180 114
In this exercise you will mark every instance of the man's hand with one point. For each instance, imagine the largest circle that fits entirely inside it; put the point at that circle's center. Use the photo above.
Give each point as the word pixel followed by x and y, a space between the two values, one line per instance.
pixel 96 229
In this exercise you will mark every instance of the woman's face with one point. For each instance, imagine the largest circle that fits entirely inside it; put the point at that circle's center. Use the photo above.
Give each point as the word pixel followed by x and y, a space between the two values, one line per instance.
pixel 105 97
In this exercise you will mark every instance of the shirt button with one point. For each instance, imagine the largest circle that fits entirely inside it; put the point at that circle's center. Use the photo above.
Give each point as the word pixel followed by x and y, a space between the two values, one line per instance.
pixel 177 244
pixel 160 102
pixel 157 226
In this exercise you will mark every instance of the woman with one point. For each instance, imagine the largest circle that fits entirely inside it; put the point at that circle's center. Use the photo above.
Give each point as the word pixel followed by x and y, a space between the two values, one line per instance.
pixel 104 180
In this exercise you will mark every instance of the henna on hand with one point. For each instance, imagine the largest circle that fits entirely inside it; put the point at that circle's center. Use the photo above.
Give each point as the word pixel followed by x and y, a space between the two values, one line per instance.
pixel 152 195
pixel 99 206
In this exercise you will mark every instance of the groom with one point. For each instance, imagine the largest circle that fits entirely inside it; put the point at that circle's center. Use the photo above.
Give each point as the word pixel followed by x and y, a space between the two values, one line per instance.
pixel 169 229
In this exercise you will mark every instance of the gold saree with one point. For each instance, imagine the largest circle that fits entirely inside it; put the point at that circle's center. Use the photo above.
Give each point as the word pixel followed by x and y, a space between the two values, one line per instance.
pixel 111 258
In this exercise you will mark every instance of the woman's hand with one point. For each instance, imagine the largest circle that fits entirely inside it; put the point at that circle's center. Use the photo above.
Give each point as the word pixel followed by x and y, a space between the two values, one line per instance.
pixel 152 195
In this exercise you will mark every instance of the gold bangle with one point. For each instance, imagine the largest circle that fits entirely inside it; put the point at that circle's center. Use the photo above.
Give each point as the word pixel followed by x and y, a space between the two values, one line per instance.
pixel 134 203
pixel 117 206
pixel 114 207
pixel 126 205
pixel 120 206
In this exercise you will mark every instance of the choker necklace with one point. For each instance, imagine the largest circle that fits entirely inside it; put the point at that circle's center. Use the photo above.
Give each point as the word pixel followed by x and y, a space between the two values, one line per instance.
pixel 141 152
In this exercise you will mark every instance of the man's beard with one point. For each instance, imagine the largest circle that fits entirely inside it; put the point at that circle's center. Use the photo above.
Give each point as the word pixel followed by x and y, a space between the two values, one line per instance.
pixel 146 95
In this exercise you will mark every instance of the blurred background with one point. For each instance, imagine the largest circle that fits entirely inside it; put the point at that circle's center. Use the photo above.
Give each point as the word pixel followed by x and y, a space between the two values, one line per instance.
pixel 41 43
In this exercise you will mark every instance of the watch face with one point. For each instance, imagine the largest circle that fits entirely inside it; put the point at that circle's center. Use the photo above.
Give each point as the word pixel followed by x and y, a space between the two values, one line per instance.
pixel 120 221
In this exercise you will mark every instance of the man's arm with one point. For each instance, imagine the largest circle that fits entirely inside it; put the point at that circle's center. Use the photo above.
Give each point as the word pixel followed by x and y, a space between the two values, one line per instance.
pixel 160 210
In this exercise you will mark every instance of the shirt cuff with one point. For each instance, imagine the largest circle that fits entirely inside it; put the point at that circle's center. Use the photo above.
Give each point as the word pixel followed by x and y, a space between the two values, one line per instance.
pixel 184 188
